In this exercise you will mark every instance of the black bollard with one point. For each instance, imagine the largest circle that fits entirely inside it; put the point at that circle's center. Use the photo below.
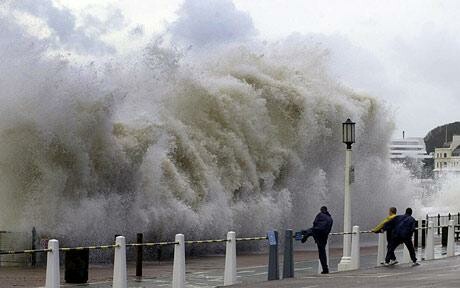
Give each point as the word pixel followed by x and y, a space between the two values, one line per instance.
pixel 140 250
pixel 416 235
pixel 424 230
pixel 34 246
pixel 273 267
pixel 439 224
pixel 288 260
pixel 445 230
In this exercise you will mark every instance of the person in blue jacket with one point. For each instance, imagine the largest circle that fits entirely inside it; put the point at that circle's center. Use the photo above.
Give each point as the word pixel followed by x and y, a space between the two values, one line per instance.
pixel 402 227
pixel 320 231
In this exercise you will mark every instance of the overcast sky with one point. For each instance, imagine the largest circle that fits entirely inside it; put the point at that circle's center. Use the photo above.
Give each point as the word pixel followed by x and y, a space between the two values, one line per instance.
pixel 404 52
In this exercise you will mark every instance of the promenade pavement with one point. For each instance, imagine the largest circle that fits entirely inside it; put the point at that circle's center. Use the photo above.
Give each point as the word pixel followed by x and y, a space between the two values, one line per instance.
pixel 207 272
pixel 436 273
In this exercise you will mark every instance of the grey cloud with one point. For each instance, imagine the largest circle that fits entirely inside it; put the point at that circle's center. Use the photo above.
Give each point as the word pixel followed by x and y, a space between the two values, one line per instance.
pixel 204 22
pixel 64 30
pixel 431 56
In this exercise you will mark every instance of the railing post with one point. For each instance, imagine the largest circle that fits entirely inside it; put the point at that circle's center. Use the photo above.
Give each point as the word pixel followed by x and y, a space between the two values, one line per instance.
pixel 381 249
pixel 273 264
pixel 53 277
pixel 178 280
pixel 140 254
pixel 429 249
pixel 230 259
pixel 120 277
pixel 444 232
pixel 355 248
pixel 288 259
pixel 416 233
pixel 34 246
pixel 424 229
pixel 451 239
pixel 439 223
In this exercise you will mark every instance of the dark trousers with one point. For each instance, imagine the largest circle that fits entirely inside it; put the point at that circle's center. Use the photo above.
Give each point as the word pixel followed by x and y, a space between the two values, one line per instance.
pixel 321 243
pixel 322 255
pixel 394 243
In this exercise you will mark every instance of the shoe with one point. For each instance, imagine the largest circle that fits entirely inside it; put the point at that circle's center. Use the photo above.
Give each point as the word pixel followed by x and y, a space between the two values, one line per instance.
pixel 393 262
pixel 325 272
pixel 415 264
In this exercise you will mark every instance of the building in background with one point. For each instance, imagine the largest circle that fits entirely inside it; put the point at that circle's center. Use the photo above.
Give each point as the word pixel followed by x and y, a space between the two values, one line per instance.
pixel 411 152
pixel 408 148
pixel 447 158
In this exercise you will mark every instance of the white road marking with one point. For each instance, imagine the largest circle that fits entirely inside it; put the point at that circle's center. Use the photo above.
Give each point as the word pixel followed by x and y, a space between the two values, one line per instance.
pixel 258 274
pixel 303 269
pixel 247 271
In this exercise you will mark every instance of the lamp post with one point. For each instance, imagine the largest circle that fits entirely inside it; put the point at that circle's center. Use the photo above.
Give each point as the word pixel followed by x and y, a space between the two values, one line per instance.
pixel 348 134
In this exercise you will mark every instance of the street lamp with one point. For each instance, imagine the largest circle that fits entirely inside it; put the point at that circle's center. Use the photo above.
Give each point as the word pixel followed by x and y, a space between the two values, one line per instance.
pixel 348 135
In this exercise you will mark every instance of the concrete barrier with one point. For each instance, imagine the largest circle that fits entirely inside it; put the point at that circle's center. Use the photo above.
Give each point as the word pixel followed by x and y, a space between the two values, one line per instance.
pixel 178 280
pixel 230 260
pixel 451 239
pixel 53 277
pixel 429 249
pixel 355 249
pixel 120 275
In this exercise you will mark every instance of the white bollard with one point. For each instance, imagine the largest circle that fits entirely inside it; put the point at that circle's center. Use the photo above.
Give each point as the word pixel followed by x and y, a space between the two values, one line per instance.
pixel 120 275
pixel 381 249
pixel 230 259
pixel 406 255
pixel 178 280
pixel 320 268
pixel 53 278
pixel 429 248
pixel 451 239
pixel 355 249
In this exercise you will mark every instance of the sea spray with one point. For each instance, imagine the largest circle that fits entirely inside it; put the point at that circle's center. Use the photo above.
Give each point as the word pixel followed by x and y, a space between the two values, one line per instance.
pixel 242 136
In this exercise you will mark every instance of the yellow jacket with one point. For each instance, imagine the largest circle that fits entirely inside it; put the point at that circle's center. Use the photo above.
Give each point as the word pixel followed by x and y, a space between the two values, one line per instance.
pixel 379 227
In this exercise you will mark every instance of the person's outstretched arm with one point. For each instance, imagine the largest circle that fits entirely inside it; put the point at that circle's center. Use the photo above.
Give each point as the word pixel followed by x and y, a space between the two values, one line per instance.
pixel 381 225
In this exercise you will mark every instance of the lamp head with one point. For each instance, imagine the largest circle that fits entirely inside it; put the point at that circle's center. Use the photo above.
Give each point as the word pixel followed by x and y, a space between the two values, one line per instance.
pixel 348 133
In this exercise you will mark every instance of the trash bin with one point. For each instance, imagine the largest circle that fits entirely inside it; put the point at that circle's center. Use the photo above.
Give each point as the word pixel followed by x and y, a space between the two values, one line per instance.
pixel 76 266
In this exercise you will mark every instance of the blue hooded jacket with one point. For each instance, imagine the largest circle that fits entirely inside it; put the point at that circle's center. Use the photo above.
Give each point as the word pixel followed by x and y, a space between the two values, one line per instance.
pixel 402 226
pixel 322 226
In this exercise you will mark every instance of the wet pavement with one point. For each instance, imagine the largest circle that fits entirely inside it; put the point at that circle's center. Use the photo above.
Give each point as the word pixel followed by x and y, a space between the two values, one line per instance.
pixel 204 271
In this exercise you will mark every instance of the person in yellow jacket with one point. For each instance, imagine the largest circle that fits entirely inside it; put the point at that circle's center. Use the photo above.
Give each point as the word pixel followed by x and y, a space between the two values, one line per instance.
pixel 379 229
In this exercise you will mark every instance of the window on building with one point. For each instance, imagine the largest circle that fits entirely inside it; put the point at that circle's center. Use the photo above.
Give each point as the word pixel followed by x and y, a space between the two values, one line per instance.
pixel 445 155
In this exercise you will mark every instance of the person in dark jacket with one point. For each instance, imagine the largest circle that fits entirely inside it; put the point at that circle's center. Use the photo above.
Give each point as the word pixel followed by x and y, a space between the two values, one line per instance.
pixel 402 227
pixel 320 231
